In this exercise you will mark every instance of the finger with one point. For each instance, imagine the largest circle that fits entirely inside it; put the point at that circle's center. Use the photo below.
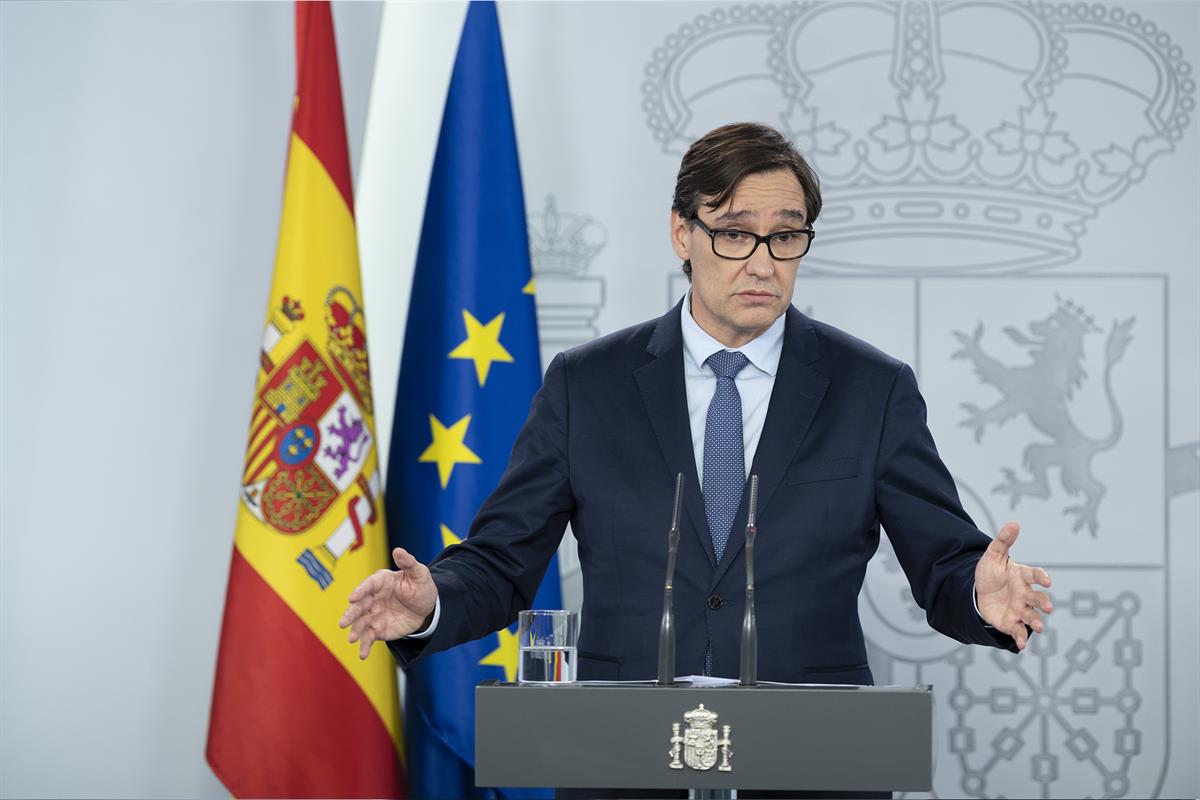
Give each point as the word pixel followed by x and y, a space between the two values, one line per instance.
pixel 1033 618
pixel 361 626
pixel 403 559
pixel 1039 601
pixel 1020 636
pixel 357 609
pixel 368 639
pixel 1037 575
pixel 369 586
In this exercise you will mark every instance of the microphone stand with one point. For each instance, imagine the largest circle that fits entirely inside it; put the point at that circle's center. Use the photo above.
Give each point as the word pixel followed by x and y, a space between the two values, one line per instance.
pixel 749 666
pixel 666 632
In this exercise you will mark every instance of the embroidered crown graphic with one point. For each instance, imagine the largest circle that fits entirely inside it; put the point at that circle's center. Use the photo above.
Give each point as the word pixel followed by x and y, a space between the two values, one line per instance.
pixel 947 136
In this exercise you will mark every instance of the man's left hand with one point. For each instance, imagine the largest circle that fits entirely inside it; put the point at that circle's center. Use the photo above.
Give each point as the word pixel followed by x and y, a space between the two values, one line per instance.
pixel 1004 589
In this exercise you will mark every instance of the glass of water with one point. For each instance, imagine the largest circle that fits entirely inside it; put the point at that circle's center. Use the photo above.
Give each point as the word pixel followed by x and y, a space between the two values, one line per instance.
pixel 547 642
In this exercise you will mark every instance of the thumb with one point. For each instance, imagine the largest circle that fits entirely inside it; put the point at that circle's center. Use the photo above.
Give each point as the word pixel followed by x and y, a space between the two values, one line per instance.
pixel 403 558
pixel 1004 539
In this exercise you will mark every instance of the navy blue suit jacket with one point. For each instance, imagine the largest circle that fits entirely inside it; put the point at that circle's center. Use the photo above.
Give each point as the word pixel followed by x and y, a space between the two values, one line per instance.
pixel 844 450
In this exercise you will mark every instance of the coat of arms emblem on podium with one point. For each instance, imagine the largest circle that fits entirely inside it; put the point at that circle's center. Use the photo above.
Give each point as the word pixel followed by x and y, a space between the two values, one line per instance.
pixel 699 743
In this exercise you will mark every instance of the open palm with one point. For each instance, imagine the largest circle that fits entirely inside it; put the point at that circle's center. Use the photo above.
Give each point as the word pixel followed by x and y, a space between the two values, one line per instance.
pixel 1004 589
pixel 390 603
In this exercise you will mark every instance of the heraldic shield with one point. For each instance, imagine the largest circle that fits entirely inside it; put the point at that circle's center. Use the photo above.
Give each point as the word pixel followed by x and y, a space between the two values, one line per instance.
pixel 1084 709
pixel 699 742
pixel 700 748
pixel 309 472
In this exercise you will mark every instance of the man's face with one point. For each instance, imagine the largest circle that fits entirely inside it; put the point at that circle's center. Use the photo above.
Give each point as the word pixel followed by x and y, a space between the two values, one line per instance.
pixel 735 301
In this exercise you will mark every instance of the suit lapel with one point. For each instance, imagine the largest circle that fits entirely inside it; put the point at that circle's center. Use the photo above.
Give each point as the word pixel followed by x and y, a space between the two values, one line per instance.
pixel 664 394
pixel 799 388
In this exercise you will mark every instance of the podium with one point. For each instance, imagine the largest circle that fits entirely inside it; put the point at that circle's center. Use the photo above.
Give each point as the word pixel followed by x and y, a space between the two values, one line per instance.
pixel 643 736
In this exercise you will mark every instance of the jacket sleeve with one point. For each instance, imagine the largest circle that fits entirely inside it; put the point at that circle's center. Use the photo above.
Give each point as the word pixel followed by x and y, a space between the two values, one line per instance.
pixel 495 572
pixel 917 503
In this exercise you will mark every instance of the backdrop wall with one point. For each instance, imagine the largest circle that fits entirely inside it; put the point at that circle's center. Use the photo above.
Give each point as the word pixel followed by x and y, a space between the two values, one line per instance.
pixel 141 149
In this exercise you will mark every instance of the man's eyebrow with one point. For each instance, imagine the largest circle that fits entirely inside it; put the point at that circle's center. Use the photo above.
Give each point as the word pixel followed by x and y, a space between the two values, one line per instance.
pixel 742 214
pixel 734 216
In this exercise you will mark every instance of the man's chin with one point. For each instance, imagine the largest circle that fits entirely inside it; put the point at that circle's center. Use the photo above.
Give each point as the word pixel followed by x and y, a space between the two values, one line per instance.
pixel 759 317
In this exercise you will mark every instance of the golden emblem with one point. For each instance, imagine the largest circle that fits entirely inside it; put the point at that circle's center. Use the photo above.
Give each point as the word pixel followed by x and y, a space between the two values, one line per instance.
pixel 303 385
pixel 295 499
pixel 347 342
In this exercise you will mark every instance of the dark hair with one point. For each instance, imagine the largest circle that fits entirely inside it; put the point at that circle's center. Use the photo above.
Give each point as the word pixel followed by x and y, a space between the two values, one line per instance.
pixel 718 161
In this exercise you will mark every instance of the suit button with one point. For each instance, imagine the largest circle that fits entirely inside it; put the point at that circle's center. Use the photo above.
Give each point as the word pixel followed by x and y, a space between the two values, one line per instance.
pixel 715 602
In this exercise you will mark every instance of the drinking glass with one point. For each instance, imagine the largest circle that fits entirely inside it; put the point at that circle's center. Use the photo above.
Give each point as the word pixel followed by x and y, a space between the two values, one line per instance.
pixel 547 643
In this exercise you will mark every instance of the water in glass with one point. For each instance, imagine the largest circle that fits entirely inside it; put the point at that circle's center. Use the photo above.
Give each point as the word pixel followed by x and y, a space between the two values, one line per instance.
pixel 547 665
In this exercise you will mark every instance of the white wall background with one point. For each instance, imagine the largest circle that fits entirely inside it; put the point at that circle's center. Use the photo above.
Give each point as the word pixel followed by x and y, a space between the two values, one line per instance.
pixel 142 151
pixel 141 161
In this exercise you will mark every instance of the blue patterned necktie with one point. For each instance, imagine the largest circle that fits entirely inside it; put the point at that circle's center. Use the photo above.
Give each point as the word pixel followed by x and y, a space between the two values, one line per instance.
pixel 724 449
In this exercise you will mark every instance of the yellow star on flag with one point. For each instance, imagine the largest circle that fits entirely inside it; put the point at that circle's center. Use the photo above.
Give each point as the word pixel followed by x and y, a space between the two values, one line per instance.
pixel 482 345
pixel 447 448
pixel 449 539
pixel 529 288
pixel 505 654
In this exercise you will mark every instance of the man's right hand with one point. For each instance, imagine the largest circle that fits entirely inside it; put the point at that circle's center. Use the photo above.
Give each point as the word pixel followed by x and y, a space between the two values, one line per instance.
pixel 390 604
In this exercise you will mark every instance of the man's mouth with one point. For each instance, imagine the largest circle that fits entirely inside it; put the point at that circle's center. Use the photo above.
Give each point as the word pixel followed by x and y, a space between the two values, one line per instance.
pixel 756 296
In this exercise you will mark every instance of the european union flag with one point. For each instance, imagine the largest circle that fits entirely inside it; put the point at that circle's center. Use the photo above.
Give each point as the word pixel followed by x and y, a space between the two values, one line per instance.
pixel 469 370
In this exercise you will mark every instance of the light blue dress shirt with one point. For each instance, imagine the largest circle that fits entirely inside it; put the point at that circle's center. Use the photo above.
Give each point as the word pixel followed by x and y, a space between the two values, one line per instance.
pixel 754 383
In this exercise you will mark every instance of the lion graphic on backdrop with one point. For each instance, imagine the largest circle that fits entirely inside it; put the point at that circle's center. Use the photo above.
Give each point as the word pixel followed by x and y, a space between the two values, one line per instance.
pixel 1041 390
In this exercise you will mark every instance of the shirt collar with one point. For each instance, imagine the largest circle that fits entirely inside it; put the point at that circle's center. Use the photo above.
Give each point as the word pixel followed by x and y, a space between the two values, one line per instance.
pixel 763 351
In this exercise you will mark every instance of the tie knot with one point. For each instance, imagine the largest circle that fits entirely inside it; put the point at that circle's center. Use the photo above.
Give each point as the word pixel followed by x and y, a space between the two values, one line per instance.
pixel 727 363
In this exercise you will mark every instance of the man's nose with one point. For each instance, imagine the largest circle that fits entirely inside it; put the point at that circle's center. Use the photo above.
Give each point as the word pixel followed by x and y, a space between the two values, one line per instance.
pixel 760 264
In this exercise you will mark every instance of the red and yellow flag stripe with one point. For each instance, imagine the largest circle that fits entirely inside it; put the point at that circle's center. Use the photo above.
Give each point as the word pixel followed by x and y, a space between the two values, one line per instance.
pixel 295 713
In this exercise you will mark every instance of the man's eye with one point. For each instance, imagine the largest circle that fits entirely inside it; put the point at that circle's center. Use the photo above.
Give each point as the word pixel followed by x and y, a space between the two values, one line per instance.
pixel 734 236
pixel 785 238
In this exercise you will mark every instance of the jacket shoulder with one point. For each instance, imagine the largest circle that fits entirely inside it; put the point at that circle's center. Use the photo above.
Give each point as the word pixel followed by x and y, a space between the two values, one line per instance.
pixel 848 353
pixel 622 348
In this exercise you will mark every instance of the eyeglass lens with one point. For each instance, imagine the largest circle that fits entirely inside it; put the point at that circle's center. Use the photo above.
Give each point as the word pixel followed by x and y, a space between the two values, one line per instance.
pixel 784 245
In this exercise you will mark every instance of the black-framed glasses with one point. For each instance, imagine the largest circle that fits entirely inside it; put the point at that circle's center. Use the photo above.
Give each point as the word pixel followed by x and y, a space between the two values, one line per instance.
pixel 739 245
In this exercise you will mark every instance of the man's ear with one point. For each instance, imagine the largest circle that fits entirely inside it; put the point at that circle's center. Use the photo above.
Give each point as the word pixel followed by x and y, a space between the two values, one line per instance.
pixel 680 235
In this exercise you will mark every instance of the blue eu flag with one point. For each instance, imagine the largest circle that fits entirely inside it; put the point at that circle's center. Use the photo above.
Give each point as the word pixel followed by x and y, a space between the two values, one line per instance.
pixel 469 370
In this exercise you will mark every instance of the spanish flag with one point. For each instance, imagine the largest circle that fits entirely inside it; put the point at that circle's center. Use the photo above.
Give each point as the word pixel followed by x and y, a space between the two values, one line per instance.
pixel 295 713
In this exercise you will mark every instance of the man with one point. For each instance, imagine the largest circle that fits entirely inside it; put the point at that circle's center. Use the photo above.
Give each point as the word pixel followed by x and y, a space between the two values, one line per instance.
pixel 733 381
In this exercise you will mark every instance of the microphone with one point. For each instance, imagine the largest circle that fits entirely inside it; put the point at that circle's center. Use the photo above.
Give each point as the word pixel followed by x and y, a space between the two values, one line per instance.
pixel 749 667
pixel 666 632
